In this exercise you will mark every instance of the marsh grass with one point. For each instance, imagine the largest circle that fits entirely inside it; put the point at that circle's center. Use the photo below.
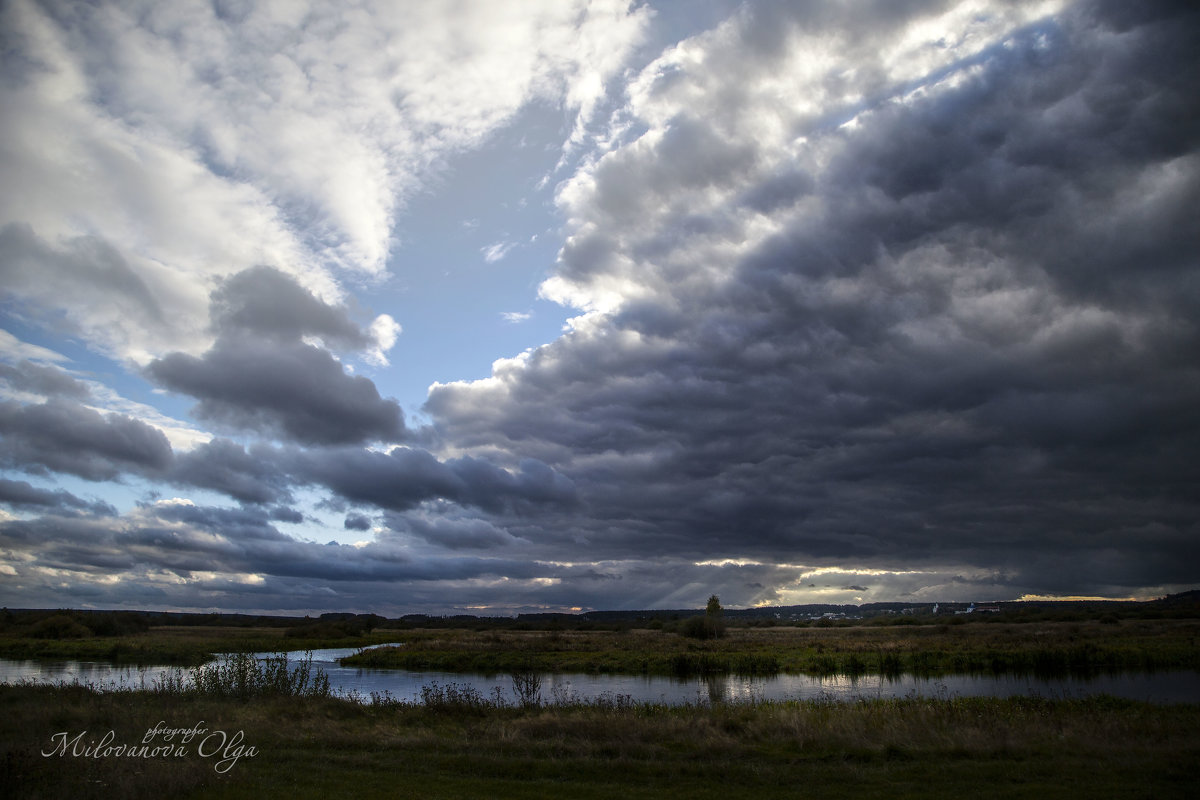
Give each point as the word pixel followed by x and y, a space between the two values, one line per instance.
pixel 467 745
pixel 242 676
pixel 1043 649
pixel 181 645
pixel 954 646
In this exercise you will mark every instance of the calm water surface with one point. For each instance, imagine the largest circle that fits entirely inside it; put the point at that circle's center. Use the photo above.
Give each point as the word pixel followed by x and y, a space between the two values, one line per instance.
pixel 1158 687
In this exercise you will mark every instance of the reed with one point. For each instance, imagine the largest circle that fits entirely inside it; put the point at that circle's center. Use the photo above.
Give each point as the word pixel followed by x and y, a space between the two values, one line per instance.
pixel 243 676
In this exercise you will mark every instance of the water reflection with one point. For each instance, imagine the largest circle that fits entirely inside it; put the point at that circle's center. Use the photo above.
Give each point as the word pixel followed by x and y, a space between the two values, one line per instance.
pixel 718 688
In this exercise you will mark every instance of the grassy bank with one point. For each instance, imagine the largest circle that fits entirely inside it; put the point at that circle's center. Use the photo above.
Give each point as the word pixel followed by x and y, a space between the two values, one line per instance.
pixel 321 747
pixel 185 646
pixel 1038 648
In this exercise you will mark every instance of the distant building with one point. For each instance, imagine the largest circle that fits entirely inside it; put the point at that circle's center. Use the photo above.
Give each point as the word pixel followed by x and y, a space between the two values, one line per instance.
pixel 974 609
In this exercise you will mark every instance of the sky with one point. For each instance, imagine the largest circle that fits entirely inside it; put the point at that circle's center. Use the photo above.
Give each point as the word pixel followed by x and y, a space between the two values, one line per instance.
pixel 490 308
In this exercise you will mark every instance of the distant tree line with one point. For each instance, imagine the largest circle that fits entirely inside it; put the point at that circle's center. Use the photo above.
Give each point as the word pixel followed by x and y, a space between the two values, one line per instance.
pixel 712 623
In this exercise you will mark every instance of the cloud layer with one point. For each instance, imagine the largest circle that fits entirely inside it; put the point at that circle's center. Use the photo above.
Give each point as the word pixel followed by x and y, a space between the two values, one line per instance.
pixel 924 302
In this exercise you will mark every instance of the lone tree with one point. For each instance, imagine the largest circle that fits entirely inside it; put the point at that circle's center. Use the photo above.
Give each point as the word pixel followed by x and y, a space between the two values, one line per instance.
pixel 714 617
pixel 710 626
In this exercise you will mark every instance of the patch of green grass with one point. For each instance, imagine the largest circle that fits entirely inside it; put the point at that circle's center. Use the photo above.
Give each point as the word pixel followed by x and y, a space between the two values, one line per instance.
pixel 1054 648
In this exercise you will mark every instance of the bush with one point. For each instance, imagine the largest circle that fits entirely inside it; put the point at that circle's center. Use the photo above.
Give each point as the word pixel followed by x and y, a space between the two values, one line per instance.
pixel 116 623
pixel 710 626
pixel 527 686
pixel 456 697
pixel 702 628
pixel 59 626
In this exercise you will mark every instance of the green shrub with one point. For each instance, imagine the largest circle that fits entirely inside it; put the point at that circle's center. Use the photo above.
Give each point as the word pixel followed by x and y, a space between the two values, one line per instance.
pixel 59 626
pixel 702 628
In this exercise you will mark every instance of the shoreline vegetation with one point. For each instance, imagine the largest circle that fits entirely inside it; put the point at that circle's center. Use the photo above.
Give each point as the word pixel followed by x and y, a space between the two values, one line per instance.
pixel 1045 645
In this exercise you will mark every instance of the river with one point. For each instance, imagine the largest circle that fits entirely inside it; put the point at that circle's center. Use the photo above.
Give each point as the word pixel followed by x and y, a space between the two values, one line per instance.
pixel 1157 687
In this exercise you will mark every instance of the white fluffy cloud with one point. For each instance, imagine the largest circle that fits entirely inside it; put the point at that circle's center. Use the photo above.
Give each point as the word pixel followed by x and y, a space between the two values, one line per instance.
pixel 190 140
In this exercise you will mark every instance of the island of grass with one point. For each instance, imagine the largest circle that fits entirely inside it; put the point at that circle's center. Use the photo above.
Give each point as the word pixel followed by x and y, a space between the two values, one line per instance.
pixel 1045 648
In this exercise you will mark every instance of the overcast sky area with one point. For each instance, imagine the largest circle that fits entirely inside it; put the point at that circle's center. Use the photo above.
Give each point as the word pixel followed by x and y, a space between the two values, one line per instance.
pixel 499 307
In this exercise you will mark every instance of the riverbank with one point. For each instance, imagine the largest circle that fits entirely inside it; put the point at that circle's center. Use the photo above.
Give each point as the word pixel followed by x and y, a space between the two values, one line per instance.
pixel 321 747
pixel 182 646
pixel 1048 648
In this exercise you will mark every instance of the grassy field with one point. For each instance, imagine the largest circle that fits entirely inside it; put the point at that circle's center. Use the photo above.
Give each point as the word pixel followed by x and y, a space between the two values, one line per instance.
pixel 1047 648
pixel 182 645
pixel 322 747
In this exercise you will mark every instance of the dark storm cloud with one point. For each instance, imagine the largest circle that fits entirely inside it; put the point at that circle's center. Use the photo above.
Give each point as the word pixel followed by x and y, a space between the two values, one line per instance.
pixel 191 541
pixel 67 437
pixel 453 534
pixel 968 341
pixel 285 514
pixel 265 302
pixel 259 376
pixel 238 524
pixel 357 522
pixel 225 466
pixel 22 494
pixel 403 478
pixel 43 380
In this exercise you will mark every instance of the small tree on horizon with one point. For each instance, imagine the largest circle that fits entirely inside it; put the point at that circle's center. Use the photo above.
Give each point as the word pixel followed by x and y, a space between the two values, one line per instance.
pixel 710 626
pixel 714 618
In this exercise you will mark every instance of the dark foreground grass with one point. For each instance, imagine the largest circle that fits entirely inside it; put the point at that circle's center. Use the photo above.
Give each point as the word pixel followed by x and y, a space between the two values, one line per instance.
pixel 327 747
